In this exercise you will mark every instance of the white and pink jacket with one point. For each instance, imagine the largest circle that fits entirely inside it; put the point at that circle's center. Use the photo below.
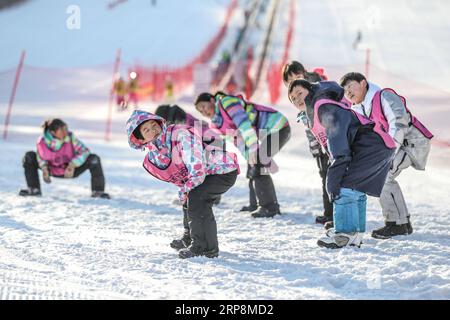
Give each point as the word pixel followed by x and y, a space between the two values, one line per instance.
pixel 179 155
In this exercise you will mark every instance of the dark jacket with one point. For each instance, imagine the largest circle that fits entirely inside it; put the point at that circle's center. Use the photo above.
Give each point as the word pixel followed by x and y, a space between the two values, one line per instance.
pixel 361 161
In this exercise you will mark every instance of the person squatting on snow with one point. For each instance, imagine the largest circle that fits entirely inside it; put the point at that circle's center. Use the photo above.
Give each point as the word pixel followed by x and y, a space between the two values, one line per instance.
pixel 412 141
pixel 247 123
pixel 292 71
pixel 178 154
pixel 360 156
pixel 174 114
pixel 61 155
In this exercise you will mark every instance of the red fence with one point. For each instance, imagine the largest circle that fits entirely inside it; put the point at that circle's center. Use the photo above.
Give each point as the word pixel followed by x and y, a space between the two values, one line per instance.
pixel 274 73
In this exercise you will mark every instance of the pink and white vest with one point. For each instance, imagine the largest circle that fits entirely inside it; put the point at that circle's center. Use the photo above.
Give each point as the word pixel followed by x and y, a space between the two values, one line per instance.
pixel 377 114
pixel 319 131
pixel 57 160
pixel 176 172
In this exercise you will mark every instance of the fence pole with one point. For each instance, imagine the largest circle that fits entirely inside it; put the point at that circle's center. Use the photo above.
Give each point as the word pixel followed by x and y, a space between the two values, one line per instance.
pixel 367 62
pixel 111 97
pixel 13 94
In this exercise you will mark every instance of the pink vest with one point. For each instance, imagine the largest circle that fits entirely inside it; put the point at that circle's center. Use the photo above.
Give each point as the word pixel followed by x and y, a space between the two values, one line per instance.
pixel 319 131
pixel 377 114
pixel 57 160
pixel 176 172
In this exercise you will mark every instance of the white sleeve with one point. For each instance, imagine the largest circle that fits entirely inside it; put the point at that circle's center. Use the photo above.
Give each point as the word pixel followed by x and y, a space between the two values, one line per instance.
pixel 396 116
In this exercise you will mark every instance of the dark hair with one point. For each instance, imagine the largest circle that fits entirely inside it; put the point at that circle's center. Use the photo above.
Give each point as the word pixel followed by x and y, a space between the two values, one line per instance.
pixel 137 132
pixel 351 76
pixel 292 67
pixel 299 82
pixel 162 111
pixel 171 113
pixel 53 124
pixel 176 114
pixel 204 97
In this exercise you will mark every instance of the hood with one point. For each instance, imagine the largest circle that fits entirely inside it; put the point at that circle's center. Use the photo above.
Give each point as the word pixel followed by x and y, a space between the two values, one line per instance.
pixel 136 118
pixel 325 90
pixel 322 90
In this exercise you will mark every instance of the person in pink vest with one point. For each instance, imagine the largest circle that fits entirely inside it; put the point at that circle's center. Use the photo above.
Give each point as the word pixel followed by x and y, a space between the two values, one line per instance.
pixel 292 71
pixel 61 155
pixel 174 114
pixel 259 132
pixel 360 156
pixel 412 140
pixel 202 170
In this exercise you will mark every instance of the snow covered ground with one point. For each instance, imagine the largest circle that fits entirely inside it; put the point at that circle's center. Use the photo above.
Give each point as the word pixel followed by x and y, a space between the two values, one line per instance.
pixel 66 245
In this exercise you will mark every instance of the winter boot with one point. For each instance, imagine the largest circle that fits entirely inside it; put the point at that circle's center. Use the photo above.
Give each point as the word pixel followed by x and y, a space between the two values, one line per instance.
pixel 30 192
pixel 249 208
pixel 191 252
pixel 323 219
pixel 100 194
pixel 263 212
pixel 391 229
pixel 334 240
pixel 182 243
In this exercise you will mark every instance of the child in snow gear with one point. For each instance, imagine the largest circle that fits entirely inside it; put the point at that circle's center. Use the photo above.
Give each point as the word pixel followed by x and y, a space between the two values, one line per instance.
pixel 388 111
pixel 360 156
pixel 173 114
pixel 293 71
pixel 247 124
pixel 178 154
pixel 61 155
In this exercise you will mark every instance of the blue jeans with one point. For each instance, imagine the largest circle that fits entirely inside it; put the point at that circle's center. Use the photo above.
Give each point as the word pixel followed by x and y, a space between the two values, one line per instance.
pixel 349 212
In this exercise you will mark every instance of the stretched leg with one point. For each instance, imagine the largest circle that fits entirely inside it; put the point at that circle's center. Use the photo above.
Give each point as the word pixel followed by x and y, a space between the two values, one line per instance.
pixel 95 167
pixel 252 194
pixel 349 221
pixel 202 224
pixel 392 201
pixel 264 187
pixel 265 192
pixel 346 212
pixel 185 240
pixel 251 186
pixel 327 217
pixel 31 167
pixel 327 205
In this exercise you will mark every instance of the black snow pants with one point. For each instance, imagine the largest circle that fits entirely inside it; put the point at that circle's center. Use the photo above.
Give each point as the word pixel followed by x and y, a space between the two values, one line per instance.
pixel 199 218
pixel 262 189
pixel 323 163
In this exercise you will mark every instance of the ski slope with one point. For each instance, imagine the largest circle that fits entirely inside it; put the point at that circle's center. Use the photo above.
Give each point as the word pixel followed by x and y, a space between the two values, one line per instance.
pixel 66 245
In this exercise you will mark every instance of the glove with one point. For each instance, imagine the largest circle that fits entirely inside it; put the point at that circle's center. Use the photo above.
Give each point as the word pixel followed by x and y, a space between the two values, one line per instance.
pixel 314 146
pixel 70 170
pixel 333 197
pixel 46 175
